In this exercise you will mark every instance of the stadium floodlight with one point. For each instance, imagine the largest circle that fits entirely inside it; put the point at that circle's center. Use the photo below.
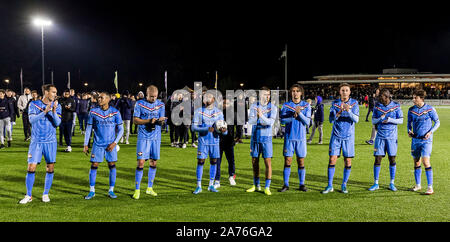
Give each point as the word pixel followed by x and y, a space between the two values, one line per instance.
pixel 86 84
pixel 42 23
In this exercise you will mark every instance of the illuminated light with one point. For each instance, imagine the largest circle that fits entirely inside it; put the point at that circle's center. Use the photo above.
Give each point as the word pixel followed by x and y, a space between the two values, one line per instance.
pixel 42 22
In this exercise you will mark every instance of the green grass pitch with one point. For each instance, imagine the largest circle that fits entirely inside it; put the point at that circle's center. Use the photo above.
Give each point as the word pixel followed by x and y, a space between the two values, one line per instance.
pixel 175 180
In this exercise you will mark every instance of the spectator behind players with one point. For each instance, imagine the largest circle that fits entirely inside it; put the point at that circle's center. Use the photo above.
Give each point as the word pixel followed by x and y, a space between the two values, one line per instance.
pixel 318 120
pixel 22 106
pixel 83 112
pixel 5 118
pixel 124 106
pixel 65 129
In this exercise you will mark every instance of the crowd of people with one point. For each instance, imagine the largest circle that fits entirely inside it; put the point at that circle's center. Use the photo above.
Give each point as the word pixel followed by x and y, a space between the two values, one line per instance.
pixel 362 93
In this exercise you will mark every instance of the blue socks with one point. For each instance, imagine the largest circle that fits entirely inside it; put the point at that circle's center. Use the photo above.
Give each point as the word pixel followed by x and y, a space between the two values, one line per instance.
pixel 138 177
pixel 92 176
pixel 212 173
pixel 286 174
pixel 256 181
pixel 331 169
pixel 417 174
pixel 29 181
pixel 429 173
pixel 376 173
pixel 151 175
pixel 112 176
pixel 48 182
pixel 392 170
pixel 268 181
pixel 301 175
pixel 347 171
pixel 199 173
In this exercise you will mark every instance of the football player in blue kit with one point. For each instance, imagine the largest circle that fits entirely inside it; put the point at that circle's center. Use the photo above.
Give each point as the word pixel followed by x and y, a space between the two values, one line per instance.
pixel 344 114
pixel 386 115
pixel 421 128
pixel 208 139
pixel 262 117
pixel 45 117
pixel 103 120
pixel 149 115
pixel 296 115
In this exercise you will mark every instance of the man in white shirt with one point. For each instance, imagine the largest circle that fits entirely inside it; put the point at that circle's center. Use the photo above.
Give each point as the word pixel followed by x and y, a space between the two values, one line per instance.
pixel 22 105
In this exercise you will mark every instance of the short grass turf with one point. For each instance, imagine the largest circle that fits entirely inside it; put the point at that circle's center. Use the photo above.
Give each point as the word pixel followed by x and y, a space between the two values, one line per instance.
pixel 176 179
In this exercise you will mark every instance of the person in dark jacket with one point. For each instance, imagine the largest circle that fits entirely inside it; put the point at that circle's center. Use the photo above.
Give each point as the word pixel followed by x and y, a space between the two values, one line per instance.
pixel 124 106
pixel 65 129
pixel 6 109
pixel 318 120
pixel 83 112
pixel 227 143
pixel 11 96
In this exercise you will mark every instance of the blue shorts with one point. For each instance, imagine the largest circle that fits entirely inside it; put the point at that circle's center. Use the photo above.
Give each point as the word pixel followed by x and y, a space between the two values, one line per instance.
pixel 261 148
pixel 421 149
pixel 299 146
pixel 383 146
pixel 212 150
pixel 346 145
pixel 148 149
pixel 99 153
pixel 37 150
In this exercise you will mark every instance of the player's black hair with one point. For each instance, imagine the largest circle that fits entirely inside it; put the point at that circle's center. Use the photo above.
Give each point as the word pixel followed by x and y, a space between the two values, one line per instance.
pixel 385 91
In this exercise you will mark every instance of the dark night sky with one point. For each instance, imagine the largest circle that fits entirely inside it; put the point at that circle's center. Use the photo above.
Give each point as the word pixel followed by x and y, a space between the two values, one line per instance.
pixel 92 39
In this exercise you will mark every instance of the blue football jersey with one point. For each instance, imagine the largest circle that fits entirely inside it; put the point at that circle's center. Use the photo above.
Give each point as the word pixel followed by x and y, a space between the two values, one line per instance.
pixel 420 120
pixel 44 129
pixel 203 119
pixel 393 111
pixel 262 127
pixel 295 127
pixel 146 110
pixel 104 124
pixel 344 126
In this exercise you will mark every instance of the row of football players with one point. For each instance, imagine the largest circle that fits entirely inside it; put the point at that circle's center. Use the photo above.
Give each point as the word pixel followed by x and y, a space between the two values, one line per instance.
pixel 106 123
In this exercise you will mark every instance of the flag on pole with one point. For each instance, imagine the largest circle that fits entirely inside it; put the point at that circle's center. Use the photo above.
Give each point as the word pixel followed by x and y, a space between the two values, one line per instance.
pixel 283 54
pixel 68 82
pixel 116 82
pixel 165 80
pixel 215 85
pixel 21 80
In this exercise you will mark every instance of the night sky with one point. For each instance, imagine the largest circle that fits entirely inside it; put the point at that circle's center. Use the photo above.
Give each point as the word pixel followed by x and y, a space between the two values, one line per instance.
pixel 242 41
